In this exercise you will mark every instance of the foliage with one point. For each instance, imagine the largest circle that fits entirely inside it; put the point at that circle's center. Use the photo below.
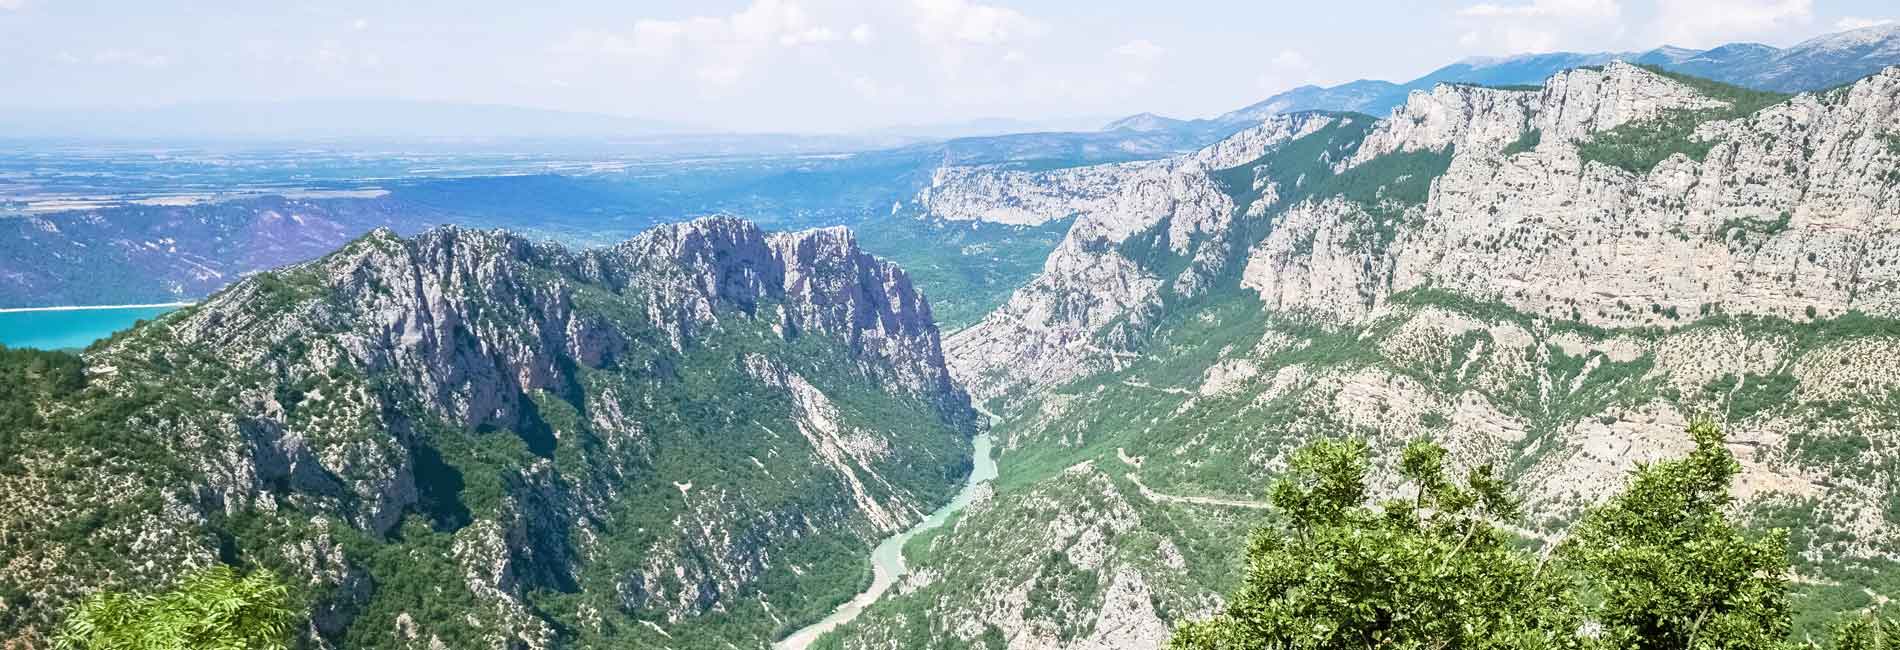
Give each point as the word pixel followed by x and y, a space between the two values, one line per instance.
pixel 1303 169
pixel 965 269
pixel 1430 571
pixel 1659 566
pixel 1671 570
pixel 1870 631
pixel 1526 142
pixel 210 609
pixel 1767 228
pixel 28 380
pixel 1638 147
pixel 1742 100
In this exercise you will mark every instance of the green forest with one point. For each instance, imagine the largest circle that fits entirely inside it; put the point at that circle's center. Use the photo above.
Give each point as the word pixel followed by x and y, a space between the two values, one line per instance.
pixel 1659 566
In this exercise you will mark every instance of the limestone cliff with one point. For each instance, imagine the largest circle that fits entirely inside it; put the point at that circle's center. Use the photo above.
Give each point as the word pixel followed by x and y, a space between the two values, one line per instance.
pixel 474 439
pixel 1552 280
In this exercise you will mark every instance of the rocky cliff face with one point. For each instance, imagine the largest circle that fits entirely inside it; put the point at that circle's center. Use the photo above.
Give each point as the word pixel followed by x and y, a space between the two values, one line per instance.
pixel 1783 214
pixel 1789 214
pixel 1076 316
pixel 471 439
pixel 1483 267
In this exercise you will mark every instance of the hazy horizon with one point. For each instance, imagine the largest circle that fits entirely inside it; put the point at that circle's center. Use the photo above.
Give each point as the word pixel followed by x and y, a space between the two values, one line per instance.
pixel 819 66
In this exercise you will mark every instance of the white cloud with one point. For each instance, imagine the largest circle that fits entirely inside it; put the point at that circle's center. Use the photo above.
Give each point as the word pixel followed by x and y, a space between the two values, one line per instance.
pixel 1546 9
pixel 961 21
pixel 1139 60
pixel 1285 70
pixel 1140 49
pixel 1855 22
pixel 1539 25
pixel 861 34
pixel 1527 39
pixel 359 24
pixel 808 37
pixel 130 57
pixel 717 51
pixel 871 90
pixel 9 5
pixel 1701 23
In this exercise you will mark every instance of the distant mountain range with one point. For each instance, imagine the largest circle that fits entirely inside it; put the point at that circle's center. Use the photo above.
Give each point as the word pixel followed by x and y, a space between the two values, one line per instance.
pixel 1815 64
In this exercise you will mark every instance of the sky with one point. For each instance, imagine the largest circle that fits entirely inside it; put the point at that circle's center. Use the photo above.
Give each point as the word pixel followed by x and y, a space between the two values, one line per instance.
pixel 822 65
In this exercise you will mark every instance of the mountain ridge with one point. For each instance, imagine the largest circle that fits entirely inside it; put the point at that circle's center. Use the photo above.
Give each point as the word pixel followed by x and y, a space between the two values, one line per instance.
pixel 1479 269
pixel 1815 64
pixel 468 438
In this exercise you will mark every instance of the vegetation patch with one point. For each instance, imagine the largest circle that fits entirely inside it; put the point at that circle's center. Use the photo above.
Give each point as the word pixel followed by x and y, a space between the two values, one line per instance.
pixel 965 269
pixel 1638 147
pixel 1526 142
pixel 1759 227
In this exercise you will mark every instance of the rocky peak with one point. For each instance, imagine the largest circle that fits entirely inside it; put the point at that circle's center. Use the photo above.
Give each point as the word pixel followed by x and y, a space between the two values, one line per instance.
pixel 479 317
pixel 1571 105
pixel 1450 115
pixel 1802 186
pixel 1250 144
pixel 1579 102
pixel 819 281
pixel 513 407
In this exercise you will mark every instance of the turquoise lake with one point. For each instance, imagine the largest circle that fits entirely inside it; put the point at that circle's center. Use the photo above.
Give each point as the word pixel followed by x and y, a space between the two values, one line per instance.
pixel 69 329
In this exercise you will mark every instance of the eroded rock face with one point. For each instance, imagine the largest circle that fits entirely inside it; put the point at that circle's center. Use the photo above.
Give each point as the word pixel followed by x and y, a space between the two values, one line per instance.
pixel 1075 317
pixel 1558 317
pixel 1572 104
pixel 1791 214
pixel 1790 211
pixel 704 397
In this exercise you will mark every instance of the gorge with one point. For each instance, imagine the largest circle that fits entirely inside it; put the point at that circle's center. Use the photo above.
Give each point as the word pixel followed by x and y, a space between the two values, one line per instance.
pixel 1046 400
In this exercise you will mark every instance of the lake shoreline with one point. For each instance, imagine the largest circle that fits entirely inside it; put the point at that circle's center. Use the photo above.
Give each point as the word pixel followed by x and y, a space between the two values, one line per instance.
pixel 155 305
pixel 72 328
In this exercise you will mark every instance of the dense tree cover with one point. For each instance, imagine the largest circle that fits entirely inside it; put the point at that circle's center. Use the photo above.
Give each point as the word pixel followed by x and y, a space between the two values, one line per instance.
pixel 1659 566
pixel 215 608
pixel 27 379
pixel 1871 631
pixel 965 268
pixel 1426 571
pixel 1670 569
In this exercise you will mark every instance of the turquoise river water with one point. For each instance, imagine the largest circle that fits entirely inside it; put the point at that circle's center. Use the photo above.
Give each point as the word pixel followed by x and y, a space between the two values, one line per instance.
pixel 887 560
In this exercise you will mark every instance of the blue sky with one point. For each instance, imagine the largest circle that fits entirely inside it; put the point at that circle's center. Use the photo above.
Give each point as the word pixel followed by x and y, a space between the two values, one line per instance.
pixel 822 65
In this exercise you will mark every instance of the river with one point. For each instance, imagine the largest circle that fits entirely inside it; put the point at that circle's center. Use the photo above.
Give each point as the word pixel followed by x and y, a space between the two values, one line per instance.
pixel 70 328
pixel 887 560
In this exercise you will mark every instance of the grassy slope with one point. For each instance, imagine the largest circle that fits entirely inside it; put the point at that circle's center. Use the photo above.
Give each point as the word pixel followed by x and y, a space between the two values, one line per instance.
pixel 965 268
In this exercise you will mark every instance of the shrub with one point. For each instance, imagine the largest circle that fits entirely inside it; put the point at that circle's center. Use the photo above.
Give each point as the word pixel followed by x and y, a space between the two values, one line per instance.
pixel 210 609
